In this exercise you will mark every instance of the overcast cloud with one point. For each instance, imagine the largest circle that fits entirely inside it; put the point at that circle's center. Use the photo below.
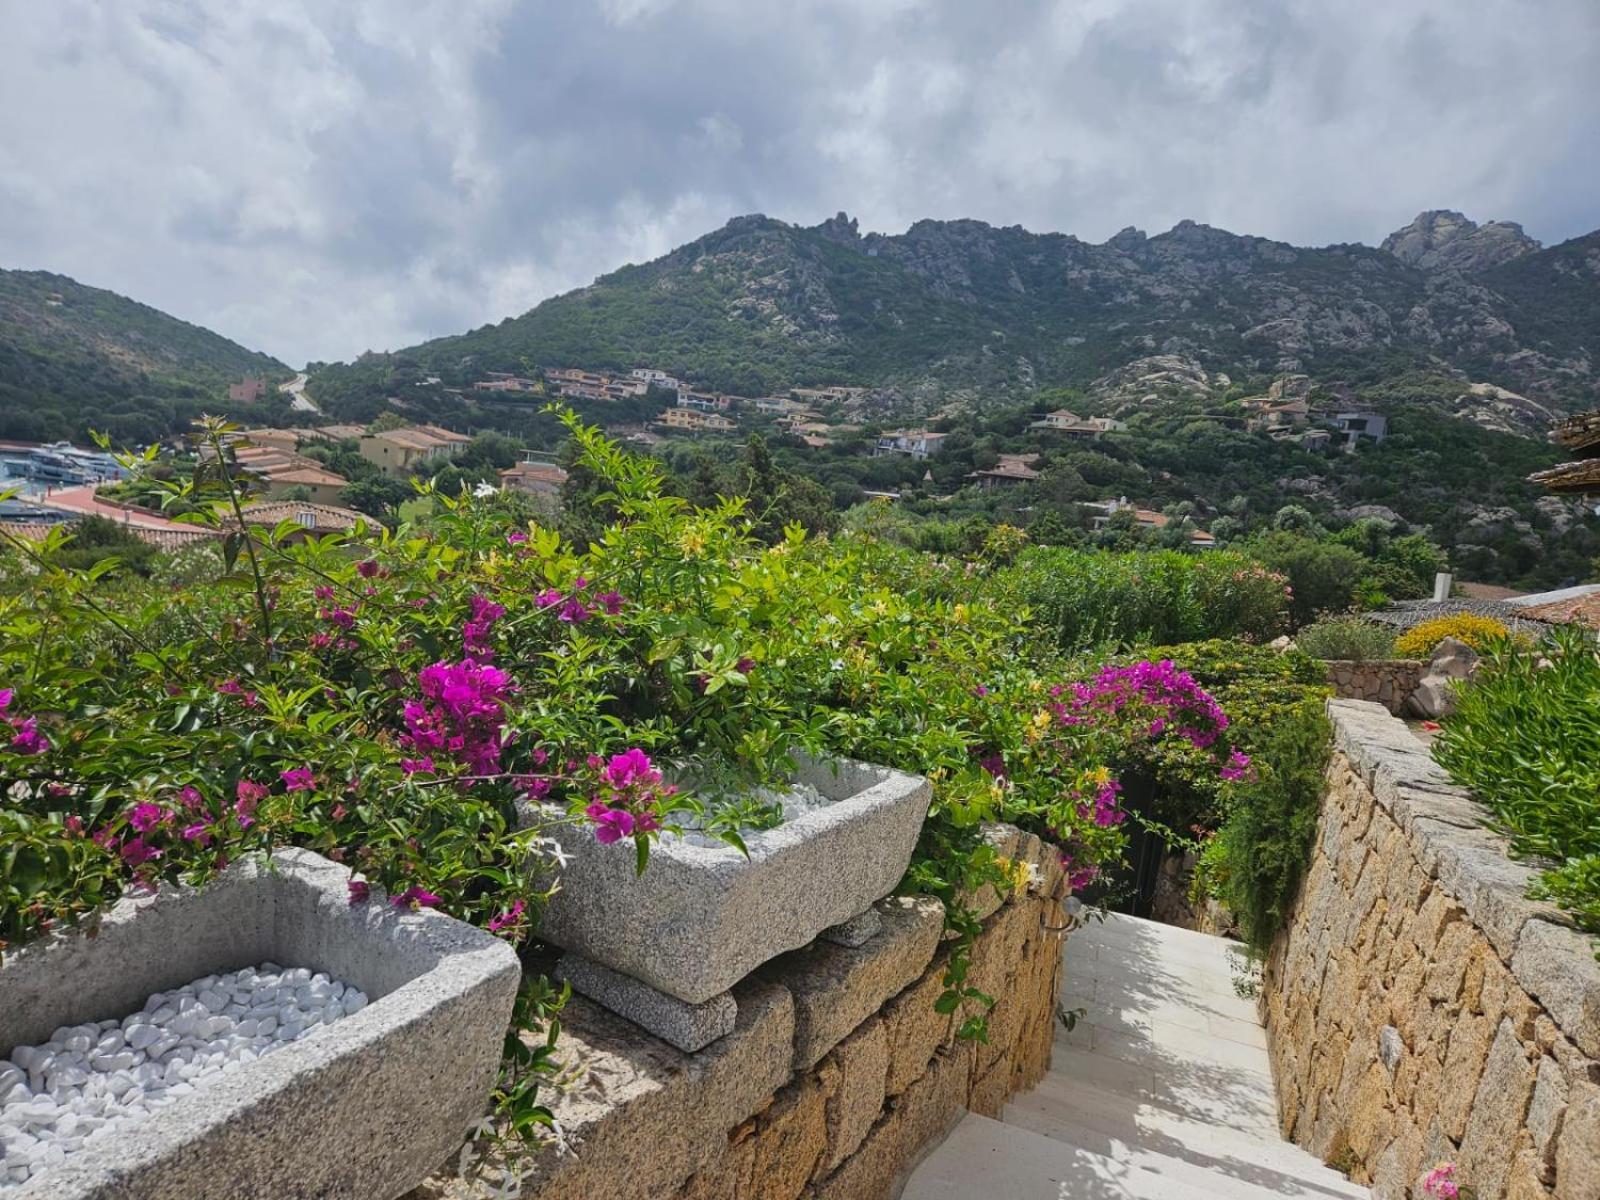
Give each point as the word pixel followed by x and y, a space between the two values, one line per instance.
pixel 319 177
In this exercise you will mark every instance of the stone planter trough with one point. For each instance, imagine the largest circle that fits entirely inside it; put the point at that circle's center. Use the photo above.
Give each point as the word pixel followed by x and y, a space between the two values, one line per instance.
pixel 663 948
pixel 366 1108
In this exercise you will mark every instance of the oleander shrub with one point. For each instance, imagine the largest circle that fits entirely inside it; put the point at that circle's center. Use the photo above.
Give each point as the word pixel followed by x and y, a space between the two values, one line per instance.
pixel 1083 598
pixel 1420 641
pixel 1346 639
pixel 1525 741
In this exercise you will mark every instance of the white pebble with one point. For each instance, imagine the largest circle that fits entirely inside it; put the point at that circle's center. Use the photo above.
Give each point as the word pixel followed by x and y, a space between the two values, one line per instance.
pixel 92 1080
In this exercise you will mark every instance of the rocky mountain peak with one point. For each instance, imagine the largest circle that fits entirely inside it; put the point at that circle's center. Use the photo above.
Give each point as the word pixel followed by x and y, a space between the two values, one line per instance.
pixel 1444 240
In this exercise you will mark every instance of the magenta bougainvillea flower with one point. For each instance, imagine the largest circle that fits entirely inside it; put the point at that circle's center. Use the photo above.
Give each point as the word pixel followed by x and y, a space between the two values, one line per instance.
pixel 461 713
pixel 145 817
pixel 360 891
pixel 1237 767
pixel 246 796
pixel 414 897
pixel 509 919
pixel 611 602
pixel 299 779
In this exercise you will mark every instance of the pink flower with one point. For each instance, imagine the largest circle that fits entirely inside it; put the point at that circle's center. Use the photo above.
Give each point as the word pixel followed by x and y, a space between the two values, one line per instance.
pixel 367 568
pixel 574 612
pixel 200 832
pixel 509 918
pixel 516 537
pixel 630 768
pixel 26 738
pixel 1441 1182
pixel 360 891
pixel 417 766
pixel 1237 767
pixel 299 779
pixel 414 897
pixel 191 798
pixel 610 601
pixel 75 825
pixel 246 796
pixel 745 665
pixel 6 695
pixel 611 824
pixel 146 817
pixel 548 598
pixel 136 852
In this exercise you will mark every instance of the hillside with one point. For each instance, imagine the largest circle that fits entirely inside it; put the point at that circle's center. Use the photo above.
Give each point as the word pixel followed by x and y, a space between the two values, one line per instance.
pixel 963 311
pixel 74 357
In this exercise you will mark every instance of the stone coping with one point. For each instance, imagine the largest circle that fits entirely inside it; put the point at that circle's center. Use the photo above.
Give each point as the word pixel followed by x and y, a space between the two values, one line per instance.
pixel 365 1108
pixel 1453 839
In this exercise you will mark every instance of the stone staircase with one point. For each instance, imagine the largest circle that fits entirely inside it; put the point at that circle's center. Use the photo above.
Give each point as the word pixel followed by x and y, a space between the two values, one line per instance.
pixel 1163 1091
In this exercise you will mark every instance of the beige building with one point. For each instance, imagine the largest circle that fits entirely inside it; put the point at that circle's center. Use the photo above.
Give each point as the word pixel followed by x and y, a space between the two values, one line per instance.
pixel 399 452
pixel 693 420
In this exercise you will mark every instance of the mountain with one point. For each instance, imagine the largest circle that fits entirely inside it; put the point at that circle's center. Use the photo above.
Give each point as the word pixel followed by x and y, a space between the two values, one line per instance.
pixel 74 357
pixel 963 311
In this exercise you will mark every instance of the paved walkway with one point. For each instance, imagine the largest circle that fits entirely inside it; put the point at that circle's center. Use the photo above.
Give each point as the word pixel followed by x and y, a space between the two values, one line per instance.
pixel 1163 1091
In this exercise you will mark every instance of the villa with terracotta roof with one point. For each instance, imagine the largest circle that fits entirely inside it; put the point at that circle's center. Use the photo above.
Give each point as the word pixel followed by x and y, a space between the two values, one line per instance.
pixel 542 479
pixel 398 452
pixel 1012 469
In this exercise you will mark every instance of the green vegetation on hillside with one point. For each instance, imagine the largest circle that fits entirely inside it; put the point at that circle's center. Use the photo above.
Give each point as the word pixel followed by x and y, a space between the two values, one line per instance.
pixel 74 358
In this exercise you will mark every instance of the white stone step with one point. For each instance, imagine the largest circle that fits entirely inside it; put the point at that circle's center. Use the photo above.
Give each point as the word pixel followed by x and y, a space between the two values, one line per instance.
pixel 983 1159
pixel 1196 1091
pixel 1064 1108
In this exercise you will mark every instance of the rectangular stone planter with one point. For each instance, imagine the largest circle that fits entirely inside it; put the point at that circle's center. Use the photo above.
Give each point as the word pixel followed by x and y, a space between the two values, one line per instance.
pixel 366 1108
pixel 663 948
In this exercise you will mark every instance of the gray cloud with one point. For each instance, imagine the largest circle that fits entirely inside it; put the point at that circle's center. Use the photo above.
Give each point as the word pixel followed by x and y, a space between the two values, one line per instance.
pixel 318 179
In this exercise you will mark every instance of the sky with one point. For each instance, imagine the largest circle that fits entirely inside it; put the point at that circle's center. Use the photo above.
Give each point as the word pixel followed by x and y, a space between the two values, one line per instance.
pixel 317 178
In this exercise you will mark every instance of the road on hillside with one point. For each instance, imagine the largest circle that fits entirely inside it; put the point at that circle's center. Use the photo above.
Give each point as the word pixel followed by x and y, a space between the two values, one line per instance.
pixel 295 389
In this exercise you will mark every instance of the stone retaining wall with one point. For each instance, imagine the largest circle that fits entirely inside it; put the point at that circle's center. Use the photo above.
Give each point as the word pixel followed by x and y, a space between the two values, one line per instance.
pixel 1388 682
pixel 838 1078
pixel 1418 1007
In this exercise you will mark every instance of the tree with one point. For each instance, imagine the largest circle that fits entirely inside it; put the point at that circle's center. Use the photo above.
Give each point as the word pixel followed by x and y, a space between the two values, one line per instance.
pixel 1324 576
pixel 379 497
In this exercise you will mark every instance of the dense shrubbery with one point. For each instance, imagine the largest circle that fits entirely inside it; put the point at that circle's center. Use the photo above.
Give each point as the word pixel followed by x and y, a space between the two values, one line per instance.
pixel 1525 739
pixel 1085 599
pixel 1347 639
pixel 1420 641
pixel 387 699
pixel 1257 857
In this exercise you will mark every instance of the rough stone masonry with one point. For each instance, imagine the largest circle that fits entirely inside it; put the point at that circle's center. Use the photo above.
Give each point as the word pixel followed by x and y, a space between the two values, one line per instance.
pixel 838 1077
pixel 1419 1007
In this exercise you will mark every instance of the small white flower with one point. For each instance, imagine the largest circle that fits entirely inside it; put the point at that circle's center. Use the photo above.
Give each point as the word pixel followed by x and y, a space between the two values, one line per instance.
pixel 484 489
pixel 483 1127
pixel 466 1158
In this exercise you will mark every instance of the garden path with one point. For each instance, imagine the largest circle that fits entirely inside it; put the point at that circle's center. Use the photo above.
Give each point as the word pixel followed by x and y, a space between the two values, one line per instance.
pixel 1162 1091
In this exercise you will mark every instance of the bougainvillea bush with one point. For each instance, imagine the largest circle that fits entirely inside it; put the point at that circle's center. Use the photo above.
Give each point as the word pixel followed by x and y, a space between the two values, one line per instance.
pixel 392 698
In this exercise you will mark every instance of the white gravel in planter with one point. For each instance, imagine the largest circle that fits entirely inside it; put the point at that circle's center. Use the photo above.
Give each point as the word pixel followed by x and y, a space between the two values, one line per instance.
pixel 90 1080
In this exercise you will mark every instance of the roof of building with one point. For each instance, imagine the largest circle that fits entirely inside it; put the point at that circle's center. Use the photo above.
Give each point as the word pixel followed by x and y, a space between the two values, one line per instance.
pixel 545 472
pixel 1487 591
pixel 1580 610
pixel 1408 613
pixel 324 517
pixel 305 477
